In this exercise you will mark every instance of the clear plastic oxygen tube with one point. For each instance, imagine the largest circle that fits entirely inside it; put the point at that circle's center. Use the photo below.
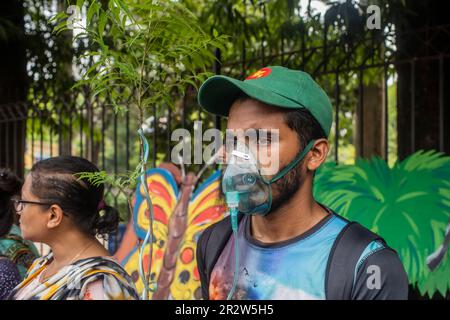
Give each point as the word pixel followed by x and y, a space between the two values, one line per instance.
pixel 149 236
pixel 232 199
pixel 245 193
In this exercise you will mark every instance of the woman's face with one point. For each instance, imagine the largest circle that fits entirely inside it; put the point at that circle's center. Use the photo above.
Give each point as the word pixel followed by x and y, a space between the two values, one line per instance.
pixel 33 217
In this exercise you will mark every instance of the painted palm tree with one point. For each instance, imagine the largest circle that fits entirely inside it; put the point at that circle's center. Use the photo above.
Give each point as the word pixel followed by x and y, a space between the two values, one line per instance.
pixel 408 205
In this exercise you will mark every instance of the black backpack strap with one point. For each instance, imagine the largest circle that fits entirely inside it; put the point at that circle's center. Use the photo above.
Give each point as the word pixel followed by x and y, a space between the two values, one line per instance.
pixel 344 255
pixel 209 247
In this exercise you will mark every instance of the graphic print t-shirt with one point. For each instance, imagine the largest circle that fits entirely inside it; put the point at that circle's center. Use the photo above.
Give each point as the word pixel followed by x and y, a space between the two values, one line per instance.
pixel 295 269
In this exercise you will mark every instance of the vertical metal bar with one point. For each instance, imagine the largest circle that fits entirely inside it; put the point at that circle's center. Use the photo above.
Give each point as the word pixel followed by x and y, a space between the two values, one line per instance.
pixel 441 103
pixel 50 129
pixel 32 135
pixel 243 72
pixel 70 130
pixel 115 143
pixel 303 49
pixel 60 131
pixel 24 134
pixel 361 112
pixel 336 119
pixel 413 106
pixel 41 140
pixel 217 70
pixel 386 114
pixel 49 113
pixel 169 132
pixel 263 62
pixel 183 112
pixel 7 140
pixel 16 144
pixel 91 131
pixel 115 154
pixel 43 112
pixel 244 51
pixel 81 132
pixel 103 137
pixel 127 138
pixel 199 113
pixel 155 126
pixel 325 49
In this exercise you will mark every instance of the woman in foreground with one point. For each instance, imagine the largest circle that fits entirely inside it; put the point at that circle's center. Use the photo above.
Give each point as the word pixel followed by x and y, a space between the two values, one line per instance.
pixel 66 212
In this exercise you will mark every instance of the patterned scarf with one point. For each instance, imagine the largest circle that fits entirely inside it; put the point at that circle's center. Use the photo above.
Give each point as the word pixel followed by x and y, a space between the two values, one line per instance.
pixel 70 283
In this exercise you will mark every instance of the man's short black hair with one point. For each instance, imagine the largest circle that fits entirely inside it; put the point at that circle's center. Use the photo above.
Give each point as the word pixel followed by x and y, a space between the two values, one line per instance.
pixel 306 126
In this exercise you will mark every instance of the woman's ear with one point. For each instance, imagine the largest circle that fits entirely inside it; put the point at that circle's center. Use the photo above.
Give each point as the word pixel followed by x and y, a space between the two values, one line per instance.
pixel 55 215
pixel 318 154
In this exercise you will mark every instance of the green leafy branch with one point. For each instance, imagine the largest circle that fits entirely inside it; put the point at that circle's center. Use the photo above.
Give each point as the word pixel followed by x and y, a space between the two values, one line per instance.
pixel 143 56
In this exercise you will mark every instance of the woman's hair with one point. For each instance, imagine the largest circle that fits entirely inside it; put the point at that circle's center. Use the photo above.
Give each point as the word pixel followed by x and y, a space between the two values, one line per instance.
pixel 55 180
pixel 10 186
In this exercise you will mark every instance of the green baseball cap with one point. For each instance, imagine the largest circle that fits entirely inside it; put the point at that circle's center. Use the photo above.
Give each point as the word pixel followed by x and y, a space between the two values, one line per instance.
pixel 274 85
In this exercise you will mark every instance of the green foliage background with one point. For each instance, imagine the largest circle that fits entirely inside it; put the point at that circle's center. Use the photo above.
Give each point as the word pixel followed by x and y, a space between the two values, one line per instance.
pixel 408 204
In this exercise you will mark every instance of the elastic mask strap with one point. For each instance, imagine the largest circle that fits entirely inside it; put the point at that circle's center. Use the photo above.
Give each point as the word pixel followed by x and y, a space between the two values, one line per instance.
pixel 294 162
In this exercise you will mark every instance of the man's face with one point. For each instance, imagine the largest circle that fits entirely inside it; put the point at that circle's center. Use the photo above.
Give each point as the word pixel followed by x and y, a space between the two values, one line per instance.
pixel 252 114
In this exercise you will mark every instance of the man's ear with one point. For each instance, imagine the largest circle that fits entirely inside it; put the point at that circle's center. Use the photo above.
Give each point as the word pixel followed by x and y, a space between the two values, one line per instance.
pixel 318 154
pixel 55 215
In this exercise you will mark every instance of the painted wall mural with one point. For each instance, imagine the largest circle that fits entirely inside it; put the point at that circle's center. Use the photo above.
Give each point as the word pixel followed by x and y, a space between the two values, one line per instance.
pixel 408 205
pixel 181 213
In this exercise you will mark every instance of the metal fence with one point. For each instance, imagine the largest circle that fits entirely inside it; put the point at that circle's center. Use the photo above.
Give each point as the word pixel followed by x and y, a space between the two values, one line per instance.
pixel 355 75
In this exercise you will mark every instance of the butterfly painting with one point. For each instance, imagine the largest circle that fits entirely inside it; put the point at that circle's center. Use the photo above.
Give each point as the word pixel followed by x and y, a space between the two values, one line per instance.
pixel 180 216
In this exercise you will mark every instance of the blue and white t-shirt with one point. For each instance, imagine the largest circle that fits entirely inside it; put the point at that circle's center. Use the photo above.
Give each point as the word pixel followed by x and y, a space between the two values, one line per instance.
pixel 295 269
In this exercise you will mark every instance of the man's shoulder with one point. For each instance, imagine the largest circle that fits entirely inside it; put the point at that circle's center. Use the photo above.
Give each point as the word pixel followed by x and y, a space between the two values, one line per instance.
pixel 380 275
pixel 375 250
pixel 361 232
pixel 219 226
pixel 213 237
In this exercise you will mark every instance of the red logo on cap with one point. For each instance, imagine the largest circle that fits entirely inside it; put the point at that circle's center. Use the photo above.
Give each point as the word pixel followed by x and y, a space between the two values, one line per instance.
pixel 261 73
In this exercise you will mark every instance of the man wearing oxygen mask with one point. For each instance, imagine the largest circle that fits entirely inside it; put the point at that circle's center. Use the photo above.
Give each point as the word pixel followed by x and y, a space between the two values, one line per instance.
pixel 278 242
